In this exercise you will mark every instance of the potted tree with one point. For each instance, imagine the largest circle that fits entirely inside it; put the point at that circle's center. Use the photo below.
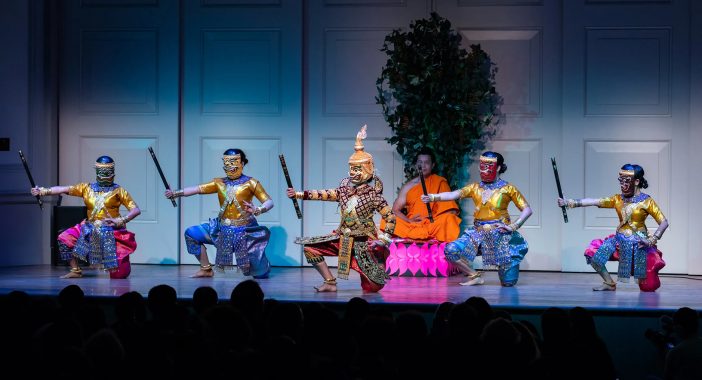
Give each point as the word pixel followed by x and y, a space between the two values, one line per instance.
pixel 436 94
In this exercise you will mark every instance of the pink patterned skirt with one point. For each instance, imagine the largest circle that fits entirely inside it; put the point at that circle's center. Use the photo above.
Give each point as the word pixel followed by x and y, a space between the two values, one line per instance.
pixel 654 263
pixel 125 244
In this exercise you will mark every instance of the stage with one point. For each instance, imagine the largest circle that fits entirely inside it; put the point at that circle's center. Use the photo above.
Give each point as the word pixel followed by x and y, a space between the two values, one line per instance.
pixel 535 292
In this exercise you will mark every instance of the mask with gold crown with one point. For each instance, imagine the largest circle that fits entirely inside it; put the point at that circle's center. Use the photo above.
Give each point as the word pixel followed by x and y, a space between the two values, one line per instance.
pixel 361 168
pixel 105 171
pixel 232 165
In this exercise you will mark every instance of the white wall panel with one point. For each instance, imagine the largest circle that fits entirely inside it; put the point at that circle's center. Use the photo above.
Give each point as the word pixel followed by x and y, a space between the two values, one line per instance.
pixel 520 84
pixel 242 78
pixel 118 96
pixel 241 71
pixel 628 72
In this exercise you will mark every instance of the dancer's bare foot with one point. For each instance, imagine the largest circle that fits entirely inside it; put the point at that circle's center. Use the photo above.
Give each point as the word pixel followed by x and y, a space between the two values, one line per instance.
pixel 473 279
pixel 605 287
pixel 74 273
pixel 205 271
pixel 473 282
pixel 328 286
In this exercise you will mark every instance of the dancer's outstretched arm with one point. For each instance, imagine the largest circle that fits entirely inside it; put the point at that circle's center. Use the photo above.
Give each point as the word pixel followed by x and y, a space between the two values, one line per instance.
pixel 441 197
pixel 53 190
pixel 331 195
pixel 186 192
pixel 573 203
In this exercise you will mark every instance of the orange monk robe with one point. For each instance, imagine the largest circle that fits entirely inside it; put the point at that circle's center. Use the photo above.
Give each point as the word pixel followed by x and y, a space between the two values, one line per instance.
pixel 446 221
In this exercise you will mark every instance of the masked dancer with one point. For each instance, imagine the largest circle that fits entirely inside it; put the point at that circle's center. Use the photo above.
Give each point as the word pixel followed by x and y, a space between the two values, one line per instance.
pixel 235 232
pixel 632 245
pixel 493 234
pixel 101 240
pixel 356 241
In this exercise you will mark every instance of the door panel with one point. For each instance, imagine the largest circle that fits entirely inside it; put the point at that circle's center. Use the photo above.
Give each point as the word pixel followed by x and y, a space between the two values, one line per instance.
pixel 119 96
pixel 343 62
pixel 625 101
pixel 524 42
pixel 241 89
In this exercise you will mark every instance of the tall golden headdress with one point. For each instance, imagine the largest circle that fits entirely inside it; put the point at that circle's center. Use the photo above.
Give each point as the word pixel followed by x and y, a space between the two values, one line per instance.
pixel 361 157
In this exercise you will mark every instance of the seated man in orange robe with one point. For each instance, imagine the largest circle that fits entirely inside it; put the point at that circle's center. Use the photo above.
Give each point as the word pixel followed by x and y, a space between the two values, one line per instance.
pixel 415 224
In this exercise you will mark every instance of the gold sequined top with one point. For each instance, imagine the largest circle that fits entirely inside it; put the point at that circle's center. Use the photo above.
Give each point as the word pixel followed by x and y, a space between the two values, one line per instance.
pixel 102 202
pixel 491 201
pixel 633 212
pixel 232 193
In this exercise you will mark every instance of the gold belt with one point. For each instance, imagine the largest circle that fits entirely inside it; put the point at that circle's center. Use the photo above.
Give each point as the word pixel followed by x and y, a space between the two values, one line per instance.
pixel 487 227
pixel 98 223
pixel 235 222
pixel 629 232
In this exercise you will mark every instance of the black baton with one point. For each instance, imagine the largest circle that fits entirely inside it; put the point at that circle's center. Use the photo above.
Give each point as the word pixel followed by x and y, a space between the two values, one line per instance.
pixel 31 179
pixel 287 179
pixel 424 190
pixel 163 177
pixel 560 191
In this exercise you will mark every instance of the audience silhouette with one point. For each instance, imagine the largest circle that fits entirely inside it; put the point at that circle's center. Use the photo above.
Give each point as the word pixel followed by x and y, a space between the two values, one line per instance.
pixel 269 339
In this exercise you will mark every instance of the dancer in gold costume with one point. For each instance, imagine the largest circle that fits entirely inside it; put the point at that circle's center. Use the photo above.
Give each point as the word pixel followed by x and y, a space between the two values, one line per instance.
pixel 235 232
pixel 493 235
pixel 632 245
pixel 101 240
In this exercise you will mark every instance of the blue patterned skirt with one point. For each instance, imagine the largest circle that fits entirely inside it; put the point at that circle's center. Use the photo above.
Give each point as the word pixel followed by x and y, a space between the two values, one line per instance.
pixel 245 244
pixel 497 248
pixel 631 256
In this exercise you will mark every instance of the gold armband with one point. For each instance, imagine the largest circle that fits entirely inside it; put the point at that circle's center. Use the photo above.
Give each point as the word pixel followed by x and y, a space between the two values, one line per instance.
pixel 573 203
pixel 384 238
pixel 178 193
pixel 300 195
pixel 44 191
pixel 516 225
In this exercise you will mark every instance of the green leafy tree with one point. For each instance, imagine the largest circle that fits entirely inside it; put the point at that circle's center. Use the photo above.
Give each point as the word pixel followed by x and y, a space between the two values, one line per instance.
pixel 436 94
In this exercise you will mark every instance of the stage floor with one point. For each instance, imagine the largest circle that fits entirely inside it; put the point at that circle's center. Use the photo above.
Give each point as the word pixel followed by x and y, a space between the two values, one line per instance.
pixel 536 290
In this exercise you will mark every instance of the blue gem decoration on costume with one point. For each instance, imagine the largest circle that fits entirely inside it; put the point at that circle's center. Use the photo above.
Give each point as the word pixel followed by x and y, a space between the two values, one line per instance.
pixel 493 185
pixel 97 246
pixel 629 250
pixel 236 182
pixel 102 189
pixel 636 198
